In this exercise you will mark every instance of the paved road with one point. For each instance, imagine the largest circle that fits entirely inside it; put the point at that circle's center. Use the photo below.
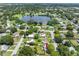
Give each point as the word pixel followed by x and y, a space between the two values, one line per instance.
pixel 54 43
pixel 17 47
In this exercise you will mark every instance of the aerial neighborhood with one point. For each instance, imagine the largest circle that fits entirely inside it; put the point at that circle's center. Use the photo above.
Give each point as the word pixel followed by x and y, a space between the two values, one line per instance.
pixel 39 29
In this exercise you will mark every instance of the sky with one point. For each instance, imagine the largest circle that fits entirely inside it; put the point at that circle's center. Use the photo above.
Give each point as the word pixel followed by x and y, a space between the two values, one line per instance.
pixel 39 1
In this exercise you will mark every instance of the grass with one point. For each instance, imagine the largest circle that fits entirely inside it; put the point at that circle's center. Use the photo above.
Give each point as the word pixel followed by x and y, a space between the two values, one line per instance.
pixel 39 50
pixel 8 53
pixel 12 47
pixel 25 40
pixel 17 39
pixel 74 42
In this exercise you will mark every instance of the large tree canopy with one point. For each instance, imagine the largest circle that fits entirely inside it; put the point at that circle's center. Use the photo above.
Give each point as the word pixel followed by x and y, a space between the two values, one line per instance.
pixel 8 40
pixel 26 51
pixel 52 22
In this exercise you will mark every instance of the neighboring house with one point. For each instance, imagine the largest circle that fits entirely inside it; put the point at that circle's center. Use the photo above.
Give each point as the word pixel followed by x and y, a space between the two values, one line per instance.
pixel 74 31
pixel 64 41
pixel 18 26
pixel 62 35
pixel 43 34
pixel 78 40
pixel 31 36
pixel 8 30
pixel 4 47
pixel 72 48
pixel 31 41
pixel 63 26
pixel 3 34
pixel 16 34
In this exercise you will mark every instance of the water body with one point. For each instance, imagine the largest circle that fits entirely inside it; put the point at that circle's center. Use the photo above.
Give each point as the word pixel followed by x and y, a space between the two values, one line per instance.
pixel 43 19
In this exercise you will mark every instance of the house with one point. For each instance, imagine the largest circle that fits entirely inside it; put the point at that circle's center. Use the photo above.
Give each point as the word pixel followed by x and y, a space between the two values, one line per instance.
pixel 64 41
pixel 62 35
pixel 3 34
pixel 31 36
pixel 4 47
pixel 78 40
pixel 72 48
pixel 16 34
pixel 32 41
pixel 74 31
pixel 43 34
pixel 18 26
pixel 8 30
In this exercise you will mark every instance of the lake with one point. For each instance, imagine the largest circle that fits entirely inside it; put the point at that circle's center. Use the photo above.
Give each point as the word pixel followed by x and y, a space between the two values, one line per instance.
pixel 43 19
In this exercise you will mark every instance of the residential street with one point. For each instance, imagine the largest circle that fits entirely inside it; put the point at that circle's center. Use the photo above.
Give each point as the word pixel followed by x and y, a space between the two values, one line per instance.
pixel 17 47
pixel 52 36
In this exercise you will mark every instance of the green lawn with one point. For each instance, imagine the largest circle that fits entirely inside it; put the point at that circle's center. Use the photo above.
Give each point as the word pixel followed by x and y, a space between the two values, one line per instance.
pixel 8 53
pixel 25 40
pixel 12 47
pixel 39 50
pixel 74 42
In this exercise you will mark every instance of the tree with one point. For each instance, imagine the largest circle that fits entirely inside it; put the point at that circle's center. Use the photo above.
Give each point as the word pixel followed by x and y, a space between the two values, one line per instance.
pixel 67 44
pixel 52 22
pixel 22 33
pixel 36 36
pixel 32 22
pixel 56 31
pixel 50 49
pixel 70 27
pixel 63 50
pixel 58 38
pixel 69 34
pixel 77 48
pixel 26 51
pixel 7 39
pixel 22 27
pixel 78 30
pixel 19 21
pixel 30 31
pixel 2 30
pixel 35 29
pixel 13 29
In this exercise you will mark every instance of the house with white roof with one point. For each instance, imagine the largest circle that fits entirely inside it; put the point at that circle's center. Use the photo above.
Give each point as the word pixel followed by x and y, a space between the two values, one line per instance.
pixel 4 47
